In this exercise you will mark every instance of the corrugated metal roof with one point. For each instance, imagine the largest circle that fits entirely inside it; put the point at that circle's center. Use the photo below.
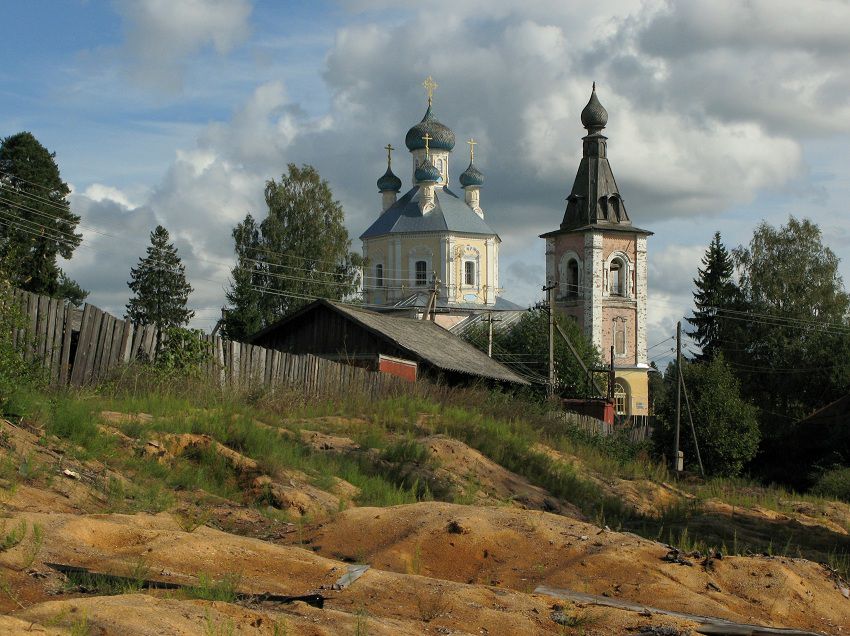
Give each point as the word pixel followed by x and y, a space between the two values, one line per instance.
pixel 421 299
pixel 430 342
pixel 450 214
pixel 505 319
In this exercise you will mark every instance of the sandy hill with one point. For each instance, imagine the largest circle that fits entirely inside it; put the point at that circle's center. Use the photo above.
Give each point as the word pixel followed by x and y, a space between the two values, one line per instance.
pixel 206 521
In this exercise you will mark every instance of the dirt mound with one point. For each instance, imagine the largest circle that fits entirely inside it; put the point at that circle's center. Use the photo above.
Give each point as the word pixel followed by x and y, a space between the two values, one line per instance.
pixel 523 549
pixel 483 481
pixel 377 603
pixel 325 442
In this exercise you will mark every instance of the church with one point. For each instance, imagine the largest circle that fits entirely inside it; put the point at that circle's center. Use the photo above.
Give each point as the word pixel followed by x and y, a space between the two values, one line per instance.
pixel 431 244
pixel 596 260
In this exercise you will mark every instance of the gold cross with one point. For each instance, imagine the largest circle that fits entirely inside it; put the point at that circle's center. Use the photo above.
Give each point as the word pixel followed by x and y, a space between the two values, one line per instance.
pixel 472 143
pixel 429 85
pixel 426 138
pixel 389 148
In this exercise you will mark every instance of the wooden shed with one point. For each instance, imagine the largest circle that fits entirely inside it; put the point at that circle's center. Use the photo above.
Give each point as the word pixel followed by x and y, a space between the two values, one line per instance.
pixel 361 337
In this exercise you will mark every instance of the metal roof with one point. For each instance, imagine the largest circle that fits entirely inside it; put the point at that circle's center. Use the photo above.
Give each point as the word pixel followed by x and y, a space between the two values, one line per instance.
pixel 422 339
pixel 505 319
pixel 450 214
pixel 421 299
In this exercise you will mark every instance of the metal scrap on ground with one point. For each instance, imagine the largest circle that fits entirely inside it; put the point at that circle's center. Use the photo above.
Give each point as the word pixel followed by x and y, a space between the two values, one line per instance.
pixel 354 572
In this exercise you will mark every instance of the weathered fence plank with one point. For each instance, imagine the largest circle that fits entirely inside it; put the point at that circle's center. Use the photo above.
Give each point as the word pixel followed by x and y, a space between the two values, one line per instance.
pixel 65 357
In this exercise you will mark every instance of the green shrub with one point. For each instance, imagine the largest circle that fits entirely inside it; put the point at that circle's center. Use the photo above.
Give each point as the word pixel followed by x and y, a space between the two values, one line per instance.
pixel 834 483
pixel 726 425
pixel 183 351
pixel 16 372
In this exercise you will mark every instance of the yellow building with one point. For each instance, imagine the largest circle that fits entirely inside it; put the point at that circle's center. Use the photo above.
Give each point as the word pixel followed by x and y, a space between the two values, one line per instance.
pixel 430 237
pixel 597 261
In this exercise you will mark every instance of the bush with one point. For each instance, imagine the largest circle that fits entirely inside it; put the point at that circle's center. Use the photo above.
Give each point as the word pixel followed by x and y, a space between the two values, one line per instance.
pixel 183 351
pixel 726 425
pixel 834 483
pixel 15 372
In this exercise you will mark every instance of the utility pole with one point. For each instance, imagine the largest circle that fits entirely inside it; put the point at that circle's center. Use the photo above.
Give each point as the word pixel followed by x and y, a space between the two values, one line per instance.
pixel 678 460
pixel 431 309
pixel 550 301
pixel 490 321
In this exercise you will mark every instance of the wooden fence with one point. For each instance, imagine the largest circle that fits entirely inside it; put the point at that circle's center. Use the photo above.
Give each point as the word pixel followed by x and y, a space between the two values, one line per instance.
pixel 82 347
pixel 636 432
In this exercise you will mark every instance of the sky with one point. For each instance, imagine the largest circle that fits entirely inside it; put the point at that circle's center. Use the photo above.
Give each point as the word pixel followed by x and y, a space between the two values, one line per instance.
pixel 722 114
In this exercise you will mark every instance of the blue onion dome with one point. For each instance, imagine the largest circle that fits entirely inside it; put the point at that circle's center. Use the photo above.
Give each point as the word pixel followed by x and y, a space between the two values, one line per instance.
pixel 594 117
pixel 442 137
pixel 388 182
pixel 427 171
pixel 471 176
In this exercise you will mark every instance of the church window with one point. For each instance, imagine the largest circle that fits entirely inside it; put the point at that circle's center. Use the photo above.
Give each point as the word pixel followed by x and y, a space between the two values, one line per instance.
pixel 614 207
pixel 421 273
pixel 572 279
pixel 379 275
pixel 469 273
pixel 621 399
pixel 617 278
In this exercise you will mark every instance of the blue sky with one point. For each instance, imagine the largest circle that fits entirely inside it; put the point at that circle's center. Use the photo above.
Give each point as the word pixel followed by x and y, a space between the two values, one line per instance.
pixel 722 114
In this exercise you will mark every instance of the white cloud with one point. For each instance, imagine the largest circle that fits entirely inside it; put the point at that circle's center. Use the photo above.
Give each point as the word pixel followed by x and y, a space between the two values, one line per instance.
pixel 710 105
pixel 162 34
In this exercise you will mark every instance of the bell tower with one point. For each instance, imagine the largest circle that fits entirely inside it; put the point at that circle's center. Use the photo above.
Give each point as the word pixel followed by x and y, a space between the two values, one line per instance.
pixel 597 261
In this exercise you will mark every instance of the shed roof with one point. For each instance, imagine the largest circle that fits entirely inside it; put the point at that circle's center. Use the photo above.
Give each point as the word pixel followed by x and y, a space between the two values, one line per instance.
pixel 423 339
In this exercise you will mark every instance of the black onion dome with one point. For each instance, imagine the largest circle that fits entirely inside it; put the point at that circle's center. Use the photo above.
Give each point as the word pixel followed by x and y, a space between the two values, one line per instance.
pixel 389 182
pixel 471 177
pixel 442 137
pixel 427 171
pixel 594 117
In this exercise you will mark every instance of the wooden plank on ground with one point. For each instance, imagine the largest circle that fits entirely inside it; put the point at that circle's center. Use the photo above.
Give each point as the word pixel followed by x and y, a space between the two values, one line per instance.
pixel 65 356
pixel 709 624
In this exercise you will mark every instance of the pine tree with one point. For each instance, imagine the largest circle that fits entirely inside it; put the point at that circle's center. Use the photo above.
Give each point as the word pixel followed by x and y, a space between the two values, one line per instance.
pixel 714 288
pixel 300 251
pixel 36 222
pixel 159 286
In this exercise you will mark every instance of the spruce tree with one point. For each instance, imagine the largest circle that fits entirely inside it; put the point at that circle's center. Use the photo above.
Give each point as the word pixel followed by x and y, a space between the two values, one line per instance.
pixel 158 283
pixel 36 222
pixel 714 288
pixel 245 317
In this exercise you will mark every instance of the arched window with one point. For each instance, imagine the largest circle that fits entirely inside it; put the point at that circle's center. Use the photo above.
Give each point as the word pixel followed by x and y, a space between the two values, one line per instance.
pixel 621 399
pixel 617 278
pixel 421 273
pixel 379 275
pixel 469 274
pixel 572 279
pixel 614 209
